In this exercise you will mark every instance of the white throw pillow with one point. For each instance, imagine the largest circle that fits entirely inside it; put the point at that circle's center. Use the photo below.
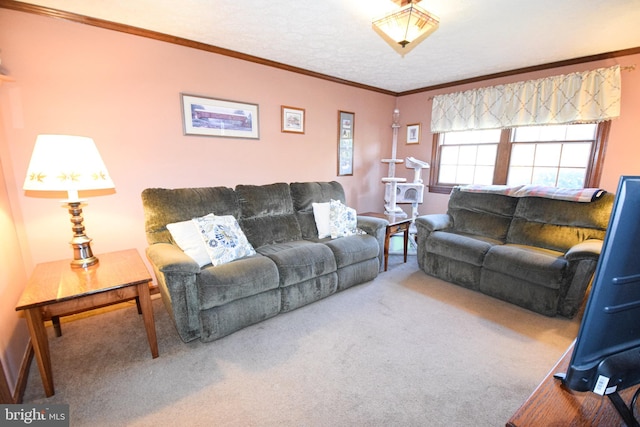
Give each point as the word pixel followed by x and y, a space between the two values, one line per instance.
pixel 321 215
pixel 343 220
pixel 223 238
pixel 187 237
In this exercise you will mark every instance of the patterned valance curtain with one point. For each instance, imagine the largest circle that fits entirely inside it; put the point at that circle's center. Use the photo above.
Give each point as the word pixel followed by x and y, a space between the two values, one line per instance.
pixel 590 96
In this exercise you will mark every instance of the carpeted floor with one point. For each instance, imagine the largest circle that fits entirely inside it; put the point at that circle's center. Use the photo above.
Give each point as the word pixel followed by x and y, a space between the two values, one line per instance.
pixel 403 350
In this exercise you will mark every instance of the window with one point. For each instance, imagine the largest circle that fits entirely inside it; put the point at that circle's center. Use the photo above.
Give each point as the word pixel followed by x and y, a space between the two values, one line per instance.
pixel 558 156
pixel 468 157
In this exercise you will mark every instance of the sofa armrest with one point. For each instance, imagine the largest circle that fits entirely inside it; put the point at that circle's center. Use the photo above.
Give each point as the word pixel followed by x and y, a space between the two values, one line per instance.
pixel 588 249
pixel 435 222
pixel 372 225
pixel 176 273
pixel 425 225
pixel 376 227
pixel 583 259
pixel 169 258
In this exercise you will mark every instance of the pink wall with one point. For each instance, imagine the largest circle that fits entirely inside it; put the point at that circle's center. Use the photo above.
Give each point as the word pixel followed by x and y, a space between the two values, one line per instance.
pixel 13 335
pixel 123 91
pixel 623 149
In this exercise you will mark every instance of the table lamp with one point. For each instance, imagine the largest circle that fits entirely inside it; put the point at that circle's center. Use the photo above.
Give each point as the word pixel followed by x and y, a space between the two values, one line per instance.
pixel 71 164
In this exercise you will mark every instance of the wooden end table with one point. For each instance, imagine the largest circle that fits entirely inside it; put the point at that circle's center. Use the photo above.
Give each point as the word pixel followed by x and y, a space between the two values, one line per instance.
pixel 396 224
pixel 56 289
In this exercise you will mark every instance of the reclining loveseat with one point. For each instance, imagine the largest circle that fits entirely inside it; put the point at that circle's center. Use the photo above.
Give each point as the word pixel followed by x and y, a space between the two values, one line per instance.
pixel 527 246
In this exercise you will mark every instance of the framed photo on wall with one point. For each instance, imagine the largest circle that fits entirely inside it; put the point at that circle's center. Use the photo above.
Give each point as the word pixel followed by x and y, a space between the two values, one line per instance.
pixel 292 119
pixel 413 133
pixel 219 117
pixel 345 142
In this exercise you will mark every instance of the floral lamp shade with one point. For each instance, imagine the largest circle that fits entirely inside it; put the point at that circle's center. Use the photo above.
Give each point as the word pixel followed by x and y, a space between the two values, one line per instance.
pixel 66 163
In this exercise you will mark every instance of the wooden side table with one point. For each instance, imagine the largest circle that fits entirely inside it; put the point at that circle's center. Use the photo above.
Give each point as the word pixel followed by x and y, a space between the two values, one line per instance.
pixel 56 289
pixel 396 224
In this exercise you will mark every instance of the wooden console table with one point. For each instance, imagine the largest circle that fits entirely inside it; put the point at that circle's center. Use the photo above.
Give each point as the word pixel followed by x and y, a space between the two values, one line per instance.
pixel 397 224
pixel 56 289
pixel 552 404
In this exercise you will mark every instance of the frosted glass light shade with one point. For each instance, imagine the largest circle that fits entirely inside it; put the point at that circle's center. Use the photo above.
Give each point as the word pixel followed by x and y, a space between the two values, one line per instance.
pixel 406 28
pixel 66 163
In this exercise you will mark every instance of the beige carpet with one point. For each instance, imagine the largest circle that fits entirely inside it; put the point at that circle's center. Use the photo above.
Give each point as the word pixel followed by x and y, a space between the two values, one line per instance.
pixel 403 350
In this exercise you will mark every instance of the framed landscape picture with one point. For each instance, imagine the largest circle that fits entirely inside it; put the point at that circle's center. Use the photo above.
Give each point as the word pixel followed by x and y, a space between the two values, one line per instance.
pixel 345 142
pixel 292 119
pixel 219 117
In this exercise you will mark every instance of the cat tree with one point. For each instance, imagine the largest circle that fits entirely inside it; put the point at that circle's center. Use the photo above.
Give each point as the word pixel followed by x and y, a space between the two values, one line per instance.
pixel 391 181
pixel 396 189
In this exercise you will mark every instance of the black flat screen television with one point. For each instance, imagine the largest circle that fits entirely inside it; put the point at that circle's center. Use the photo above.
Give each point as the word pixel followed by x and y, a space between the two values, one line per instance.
pixel 606 356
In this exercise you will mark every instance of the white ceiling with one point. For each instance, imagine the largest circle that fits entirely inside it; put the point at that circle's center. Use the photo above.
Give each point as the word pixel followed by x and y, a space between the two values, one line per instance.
pixel 334 37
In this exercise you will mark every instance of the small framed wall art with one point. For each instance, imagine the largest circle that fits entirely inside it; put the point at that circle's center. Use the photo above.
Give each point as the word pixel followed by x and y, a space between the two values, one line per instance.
pixel 219 117
pixel 292 119
pixel 413 133
pixel 346 127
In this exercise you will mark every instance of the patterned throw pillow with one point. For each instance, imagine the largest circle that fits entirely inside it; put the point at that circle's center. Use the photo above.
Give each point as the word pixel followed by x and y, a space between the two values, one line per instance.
pixel 223 238
pixel 343 220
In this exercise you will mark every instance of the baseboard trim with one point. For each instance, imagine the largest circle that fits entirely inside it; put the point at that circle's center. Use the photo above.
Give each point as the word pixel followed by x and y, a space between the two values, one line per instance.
pixel 6 397
pixel 23 376
pixel 5 393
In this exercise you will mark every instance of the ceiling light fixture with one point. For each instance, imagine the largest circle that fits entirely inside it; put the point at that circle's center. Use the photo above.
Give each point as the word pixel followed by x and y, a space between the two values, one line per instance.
pixel 406 27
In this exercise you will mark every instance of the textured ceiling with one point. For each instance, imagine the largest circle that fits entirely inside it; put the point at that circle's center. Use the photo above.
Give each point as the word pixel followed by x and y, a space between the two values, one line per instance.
pixel 334 37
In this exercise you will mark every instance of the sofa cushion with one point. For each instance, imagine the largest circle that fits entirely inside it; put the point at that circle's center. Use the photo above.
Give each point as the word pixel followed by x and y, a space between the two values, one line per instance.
pixel 267 250
pixel 235 280
pixel 460 247
pixel 304 194
pixel 544 267
pixel 223 238
pixel 487 215
pixel 353 249
pixel 266 214
pixel 558 224
pixel 164 206
pixel 301 262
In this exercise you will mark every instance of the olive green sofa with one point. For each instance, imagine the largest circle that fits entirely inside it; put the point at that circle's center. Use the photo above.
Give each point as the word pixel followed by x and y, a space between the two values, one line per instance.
pixel 290 266
pixel 537 252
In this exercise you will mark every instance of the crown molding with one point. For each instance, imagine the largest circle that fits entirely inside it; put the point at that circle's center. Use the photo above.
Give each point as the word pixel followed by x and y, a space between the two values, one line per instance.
pixel 114 26
pixel 128 29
